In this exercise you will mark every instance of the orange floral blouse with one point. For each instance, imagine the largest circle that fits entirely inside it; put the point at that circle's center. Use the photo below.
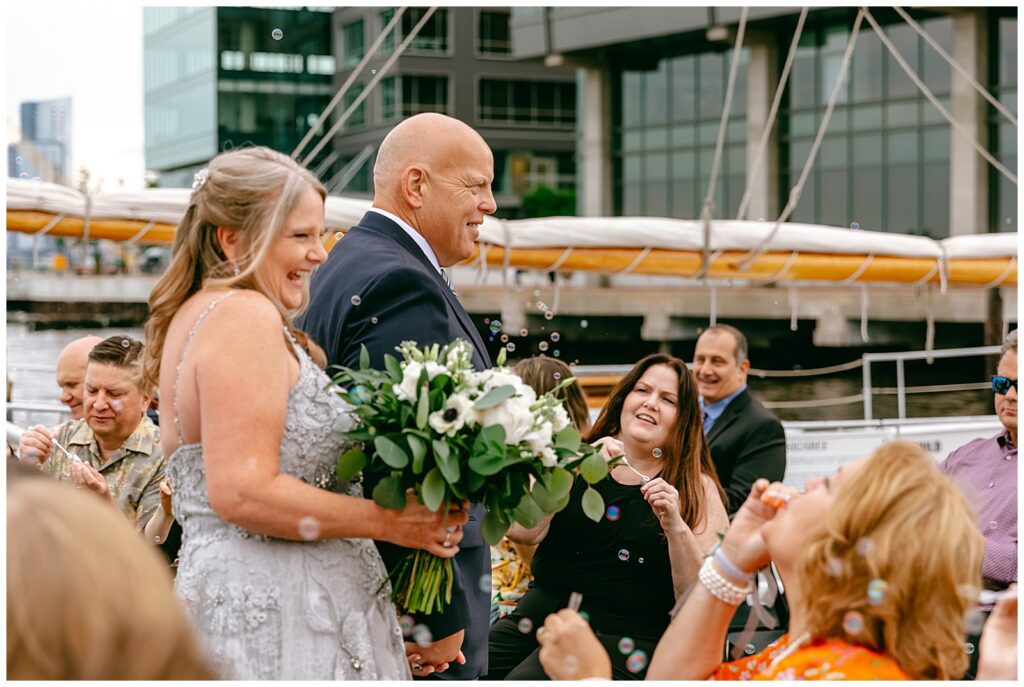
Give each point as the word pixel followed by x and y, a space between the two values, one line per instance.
pixel 830 659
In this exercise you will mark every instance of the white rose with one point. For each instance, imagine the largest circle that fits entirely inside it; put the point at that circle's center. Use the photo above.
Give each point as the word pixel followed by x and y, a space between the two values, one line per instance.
pixel 540 438
pixel 457 411
pixel 548 458
pixel 407 390
pixel 514 415
pixel 561 419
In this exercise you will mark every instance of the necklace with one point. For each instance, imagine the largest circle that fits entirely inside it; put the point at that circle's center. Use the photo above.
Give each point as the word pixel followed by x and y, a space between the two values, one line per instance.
pixel 789 650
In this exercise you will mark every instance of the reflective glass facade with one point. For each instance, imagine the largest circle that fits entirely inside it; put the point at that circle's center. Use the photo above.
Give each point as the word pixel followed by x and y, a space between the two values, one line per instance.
pixel 1003 210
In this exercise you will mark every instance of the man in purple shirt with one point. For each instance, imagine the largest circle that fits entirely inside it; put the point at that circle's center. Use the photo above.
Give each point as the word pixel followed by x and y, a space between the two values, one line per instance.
pixel 986 471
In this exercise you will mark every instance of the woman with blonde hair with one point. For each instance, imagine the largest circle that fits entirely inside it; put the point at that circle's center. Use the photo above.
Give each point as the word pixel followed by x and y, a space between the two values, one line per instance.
pixel 876 561
pixel 86 598
pixel 278 569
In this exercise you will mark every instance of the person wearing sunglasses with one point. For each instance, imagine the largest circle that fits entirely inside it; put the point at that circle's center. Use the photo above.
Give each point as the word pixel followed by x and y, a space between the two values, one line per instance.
pixel 986 471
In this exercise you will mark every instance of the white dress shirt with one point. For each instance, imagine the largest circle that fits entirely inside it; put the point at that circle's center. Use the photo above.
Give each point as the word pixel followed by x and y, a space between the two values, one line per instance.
pixel 414 235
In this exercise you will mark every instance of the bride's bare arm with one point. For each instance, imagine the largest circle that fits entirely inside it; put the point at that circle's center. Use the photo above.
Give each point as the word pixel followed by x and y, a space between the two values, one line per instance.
pixel 243 372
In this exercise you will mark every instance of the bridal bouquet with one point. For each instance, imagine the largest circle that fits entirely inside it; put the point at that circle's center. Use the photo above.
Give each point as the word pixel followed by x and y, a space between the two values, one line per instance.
pixel 432 423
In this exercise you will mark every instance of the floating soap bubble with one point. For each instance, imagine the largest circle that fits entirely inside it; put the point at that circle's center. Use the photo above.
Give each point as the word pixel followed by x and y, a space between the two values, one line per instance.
pixel 421 635
pixel 855 225
pixel 969 648
pixel 406 623
pixel 876 591
pixel 18 161
pixel 23 175
pixel 557 375
pixel 555 336
pixel 511 347
pixel 309 528
pixel 865 546
pixel 640 560
pixel 277 34
pixel 853 623
pixel 487 320
pixel 495 326
pixel 548 315
pixel 543 346
pixel 523 332
pixel 536 293
pixel 504 338
pixel 626 646
pixel 749 648
pixel 623 555
pixel 834 567
pixel 556 353
pixel 613 513
pixel 541 305
pixel 356 300
pixel 584 324
pixel 636 662
pixel 525 626
pixel 374 320
pixel 656 452
pixel 373 71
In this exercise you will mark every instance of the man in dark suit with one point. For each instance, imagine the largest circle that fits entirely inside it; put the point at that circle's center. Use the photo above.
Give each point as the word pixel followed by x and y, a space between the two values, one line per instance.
pixel 745 439
pixel 383 284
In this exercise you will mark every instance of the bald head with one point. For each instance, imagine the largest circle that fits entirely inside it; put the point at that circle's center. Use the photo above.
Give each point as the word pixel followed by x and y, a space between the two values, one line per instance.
pixel 435 173
pixel 71 372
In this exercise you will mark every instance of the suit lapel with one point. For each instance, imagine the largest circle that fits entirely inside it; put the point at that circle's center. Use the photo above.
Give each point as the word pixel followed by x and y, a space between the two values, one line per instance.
pixel 382 225
pixel 731 413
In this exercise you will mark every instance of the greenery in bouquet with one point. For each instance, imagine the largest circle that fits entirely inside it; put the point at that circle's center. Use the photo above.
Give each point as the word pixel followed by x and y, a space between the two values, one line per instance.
pixel 432 423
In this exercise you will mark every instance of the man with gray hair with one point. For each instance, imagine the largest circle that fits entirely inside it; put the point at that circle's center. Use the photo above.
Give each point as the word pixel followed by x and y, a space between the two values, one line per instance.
pixel 986 470
pixel 745 439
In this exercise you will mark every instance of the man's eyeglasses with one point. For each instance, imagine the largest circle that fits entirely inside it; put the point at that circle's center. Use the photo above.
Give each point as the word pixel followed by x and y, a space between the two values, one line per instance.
pixel 1001 385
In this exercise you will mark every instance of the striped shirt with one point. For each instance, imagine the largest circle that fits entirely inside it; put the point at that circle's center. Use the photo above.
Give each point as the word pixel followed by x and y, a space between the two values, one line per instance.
pixel 986 471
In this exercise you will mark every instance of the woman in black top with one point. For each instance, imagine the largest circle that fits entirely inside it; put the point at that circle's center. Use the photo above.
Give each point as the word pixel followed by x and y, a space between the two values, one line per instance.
pixel 664 509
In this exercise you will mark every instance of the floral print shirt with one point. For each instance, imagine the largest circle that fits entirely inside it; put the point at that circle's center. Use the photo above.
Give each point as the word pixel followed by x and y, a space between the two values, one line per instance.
pixel 823 659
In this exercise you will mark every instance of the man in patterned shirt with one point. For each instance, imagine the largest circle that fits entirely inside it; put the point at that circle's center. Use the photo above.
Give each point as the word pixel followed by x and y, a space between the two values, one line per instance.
pixel 986 471
pixel 116 448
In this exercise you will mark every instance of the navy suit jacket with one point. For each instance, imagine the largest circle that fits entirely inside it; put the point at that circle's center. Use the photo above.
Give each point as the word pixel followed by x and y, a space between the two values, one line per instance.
pixel 746 442
pixel 378 289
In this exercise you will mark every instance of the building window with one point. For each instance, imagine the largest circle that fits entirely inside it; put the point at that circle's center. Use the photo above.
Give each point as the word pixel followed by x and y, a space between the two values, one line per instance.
pixel 1003 135
pixel 232 60
pixel 358 116
pixel 320 64
pixel 388 98
pixel 433 37
pixel 530 102
pixel 424 94
pixel 494 37
pixel 353 38
pixel 668 125
pixel 886 150
pixel 387 46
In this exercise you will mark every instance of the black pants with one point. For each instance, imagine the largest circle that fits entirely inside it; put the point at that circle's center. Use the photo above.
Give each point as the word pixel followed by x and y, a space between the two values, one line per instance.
pixel 515 655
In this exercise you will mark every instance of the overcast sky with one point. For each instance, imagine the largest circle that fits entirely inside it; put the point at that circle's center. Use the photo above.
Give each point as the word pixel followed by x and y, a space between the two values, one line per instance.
pixel 92 52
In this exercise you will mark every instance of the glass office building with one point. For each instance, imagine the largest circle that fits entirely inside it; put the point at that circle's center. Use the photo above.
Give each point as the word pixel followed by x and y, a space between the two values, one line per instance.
pixel 224 77
pixel 888 160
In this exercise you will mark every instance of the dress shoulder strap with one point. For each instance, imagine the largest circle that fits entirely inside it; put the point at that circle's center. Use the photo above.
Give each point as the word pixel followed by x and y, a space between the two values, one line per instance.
pixel 184 349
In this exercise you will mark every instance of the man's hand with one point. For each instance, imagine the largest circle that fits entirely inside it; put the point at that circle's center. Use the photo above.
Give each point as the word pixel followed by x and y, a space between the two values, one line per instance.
pixel 83 475
pixel 35 445
pixel 436 656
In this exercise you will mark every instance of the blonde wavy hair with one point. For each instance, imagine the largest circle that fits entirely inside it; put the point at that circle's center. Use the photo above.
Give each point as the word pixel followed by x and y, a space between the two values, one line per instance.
pixel 250 190
pixel 898 519
pixel 87 599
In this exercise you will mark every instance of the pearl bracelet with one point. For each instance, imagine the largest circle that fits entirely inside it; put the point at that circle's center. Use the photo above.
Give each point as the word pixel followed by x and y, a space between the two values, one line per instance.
pixel 721 588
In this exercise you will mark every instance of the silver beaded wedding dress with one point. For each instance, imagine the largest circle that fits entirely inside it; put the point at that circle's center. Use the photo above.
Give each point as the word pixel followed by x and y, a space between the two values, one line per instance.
pixel 275 609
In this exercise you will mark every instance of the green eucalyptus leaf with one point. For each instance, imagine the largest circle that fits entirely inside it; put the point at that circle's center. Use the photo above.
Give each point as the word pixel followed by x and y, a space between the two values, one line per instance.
pixel 364 357
pixel 448 465
pixel 495 396
pixel 487 464
pixel 419 451
pixel 528 513
pixel 389 493
pixel 593 504
pixel 391 453
pixel 350 464
pixel 433 490
pixel 568 438
pixel 495 525
pixel 552 491
pixel 594 468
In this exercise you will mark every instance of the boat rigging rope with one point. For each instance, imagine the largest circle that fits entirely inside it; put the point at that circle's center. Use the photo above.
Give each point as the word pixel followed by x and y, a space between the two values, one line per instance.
pixel 935 101
pixel 364 94
pixel 356 71
pixel 794 193
pixel 708 209
pixel 956 65
pixel 762 145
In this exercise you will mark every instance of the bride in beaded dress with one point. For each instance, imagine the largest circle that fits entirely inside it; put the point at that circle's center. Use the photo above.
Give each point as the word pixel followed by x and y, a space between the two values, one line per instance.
pixel 278 572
